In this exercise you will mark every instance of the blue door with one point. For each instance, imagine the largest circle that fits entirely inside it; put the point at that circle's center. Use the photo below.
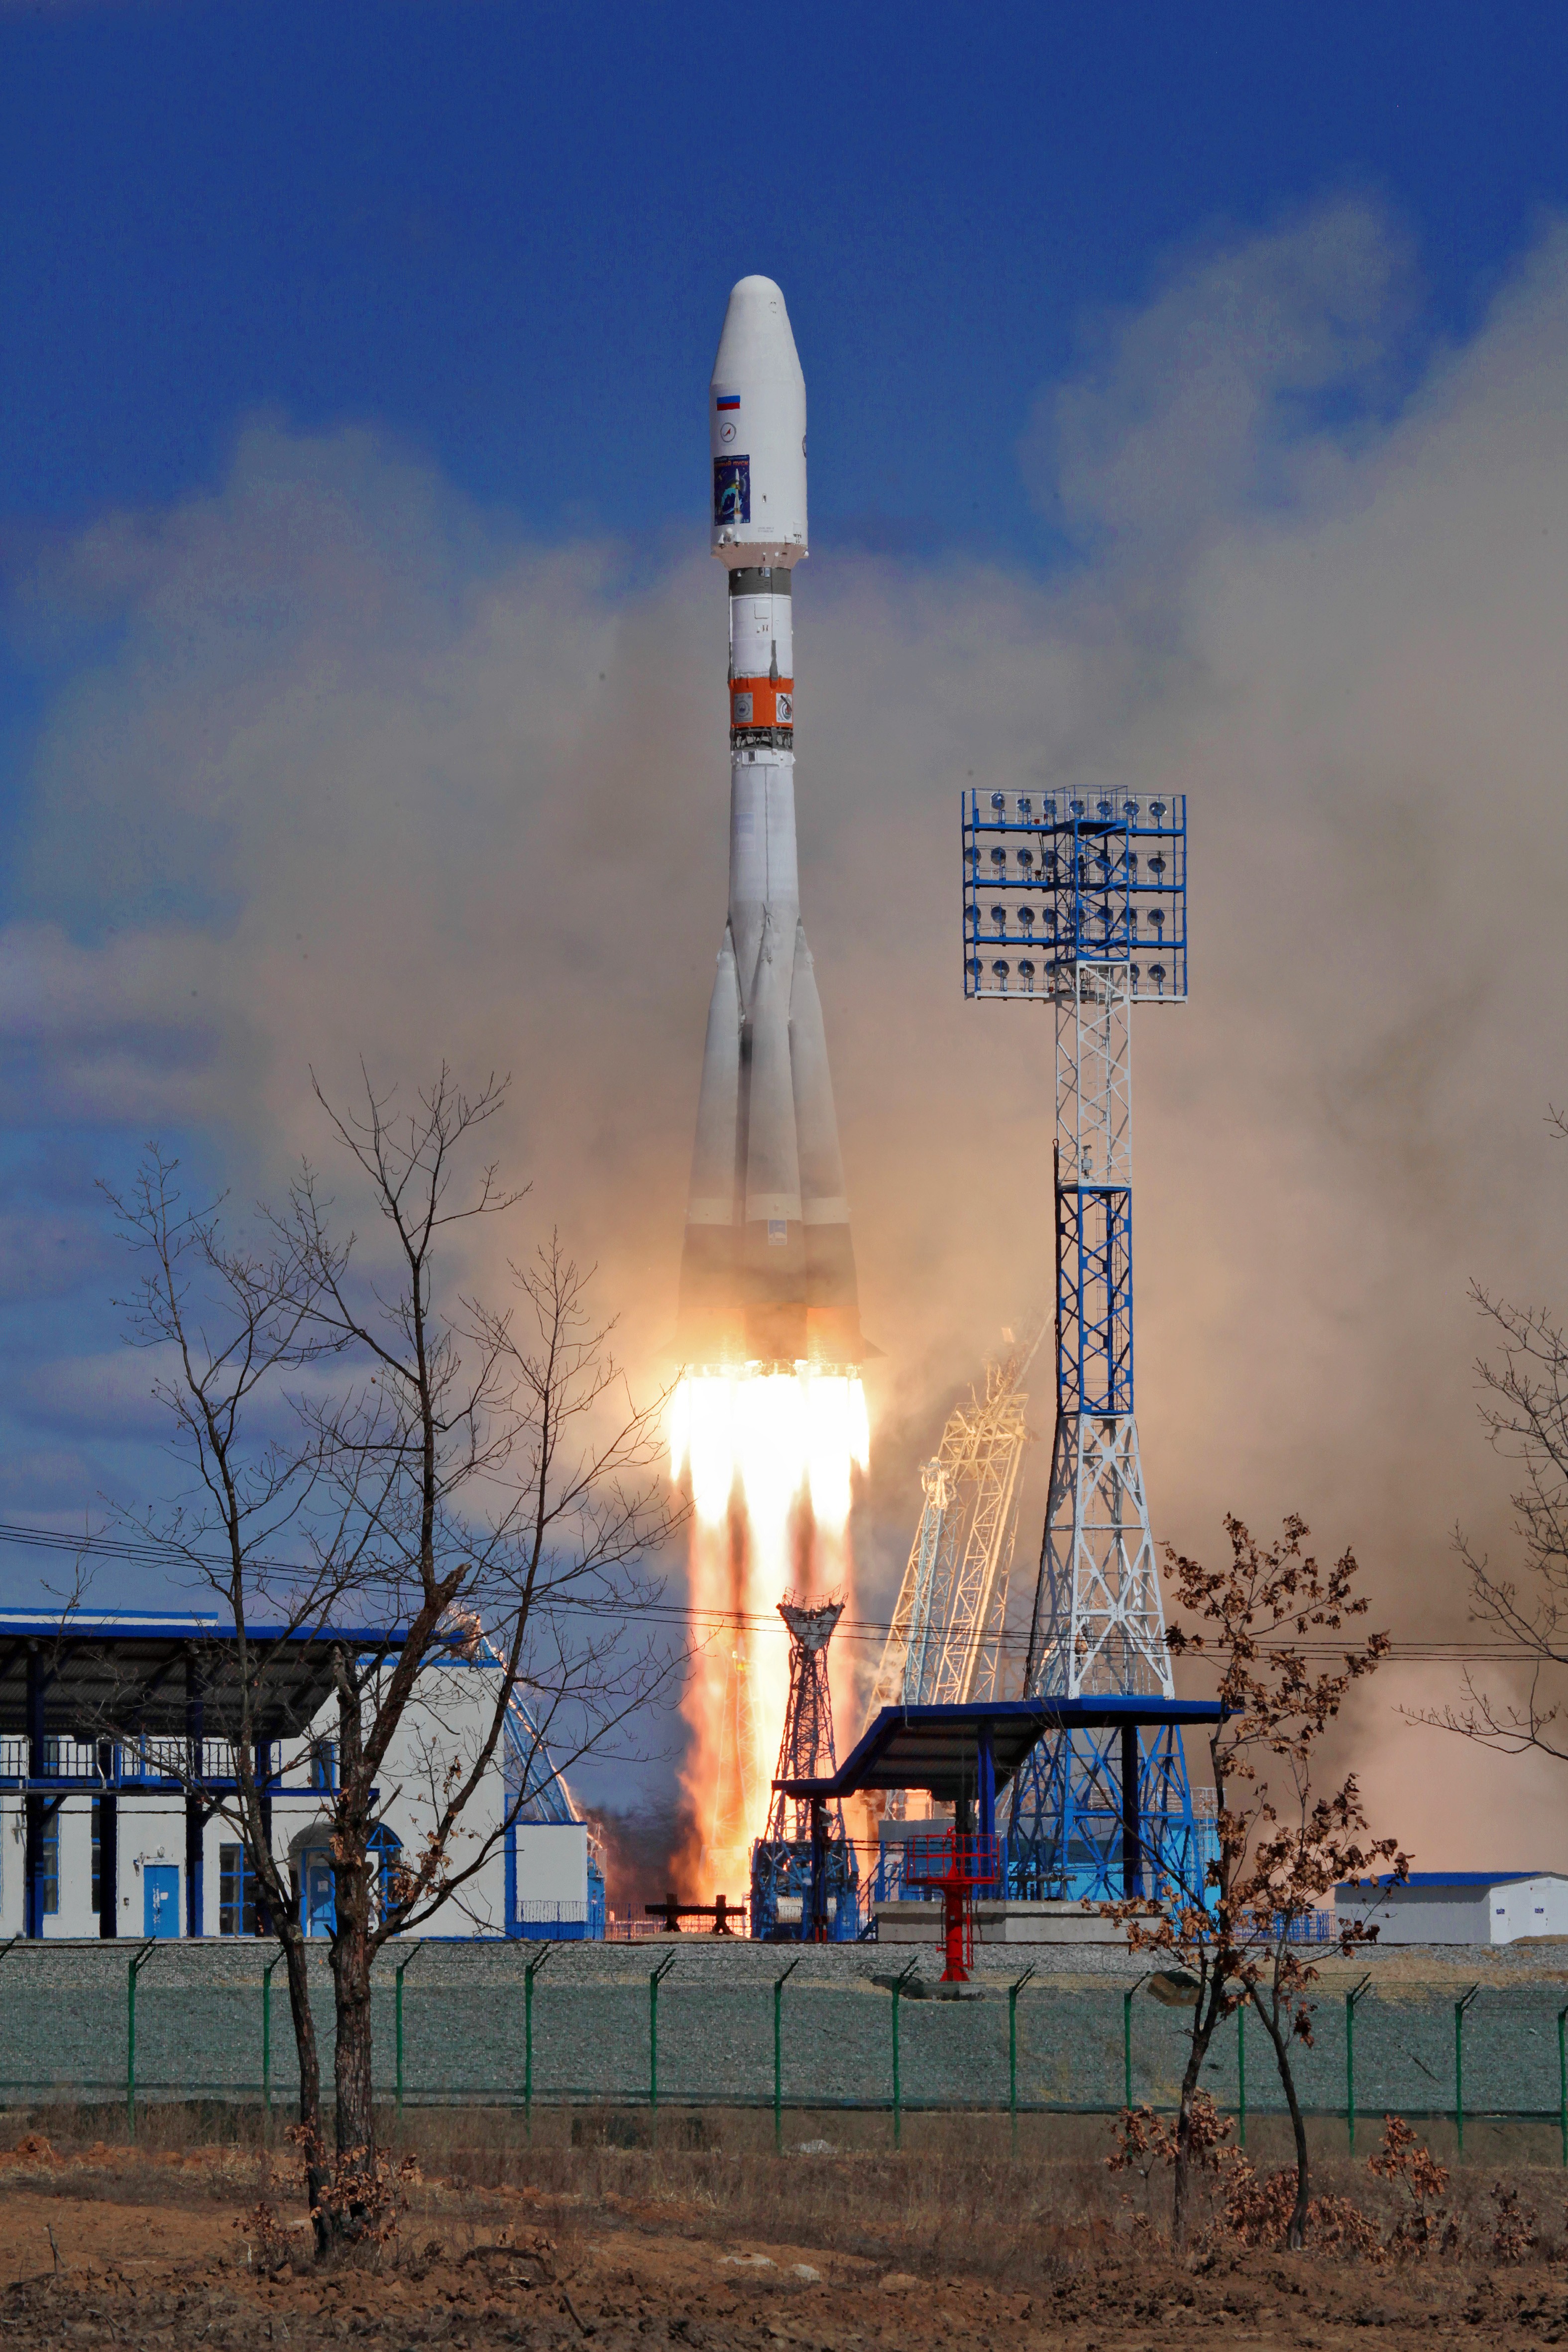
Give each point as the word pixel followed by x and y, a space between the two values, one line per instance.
pixel 319 1900
pixel 159 1898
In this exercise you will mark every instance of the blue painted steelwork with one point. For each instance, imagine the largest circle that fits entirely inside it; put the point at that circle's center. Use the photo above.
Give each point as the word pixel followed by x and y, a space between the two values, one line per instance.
pixel 534 1785
pixel 1058 880
pixel 1095 1296
pixel 1068 1836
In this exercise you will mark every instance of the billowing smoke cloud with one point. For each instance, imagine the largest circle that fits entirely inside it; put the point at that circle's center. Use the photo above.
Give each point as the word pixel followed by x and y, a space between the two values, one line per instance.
pixel 337 766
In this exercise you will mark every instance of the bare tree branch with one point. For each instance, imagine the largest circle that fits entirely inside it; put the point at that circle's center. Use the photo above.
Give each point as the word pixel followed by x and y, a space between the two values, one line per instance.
pixel 474 1482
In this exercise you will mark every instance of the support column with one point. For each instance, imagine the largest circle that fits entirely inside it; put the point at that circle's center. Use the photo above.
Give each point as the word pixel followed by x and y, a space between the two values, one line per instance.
pixel 35 1804
pixel 264 1922
pixel 1131 1848
pixel 195 1813
pixel 816 1930
pixel 107 1842
pixel 985 1782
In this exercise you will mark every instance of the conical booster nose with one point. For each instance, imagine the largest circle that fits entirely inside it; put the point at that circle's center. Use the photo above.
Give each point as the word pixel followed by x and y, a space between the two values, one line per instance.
pixel 756 418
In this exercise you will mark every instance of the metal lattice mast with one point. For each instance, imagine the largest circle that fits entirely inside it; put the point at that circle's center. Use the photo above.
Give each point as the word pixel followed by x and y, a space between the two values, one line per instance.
pixel 806 1750
pixel 945 1641
pixel 1080 902
pixel 803 1877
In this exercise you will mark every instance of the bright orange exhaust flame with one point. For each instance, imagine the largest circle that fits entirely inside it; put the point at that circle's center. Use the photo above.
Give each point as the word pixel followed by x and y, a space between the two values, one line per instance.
pixel 771 1457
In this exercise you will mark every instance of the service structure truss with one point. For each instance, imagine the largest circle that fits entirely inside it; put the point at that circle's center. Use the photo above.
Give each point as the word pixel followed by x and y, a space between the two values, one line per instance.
pixel 944 1644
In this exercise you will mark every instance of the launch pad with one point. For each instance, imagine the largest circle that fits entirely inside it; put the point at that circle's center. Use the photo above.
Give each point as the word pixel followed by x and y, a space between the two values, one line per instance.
pixel 968 1756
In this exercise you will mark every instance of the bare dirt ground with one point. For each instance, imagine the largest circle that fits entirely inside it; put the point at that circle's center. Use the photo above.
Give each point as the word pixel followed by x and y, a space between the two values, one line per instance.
pixel 588 2237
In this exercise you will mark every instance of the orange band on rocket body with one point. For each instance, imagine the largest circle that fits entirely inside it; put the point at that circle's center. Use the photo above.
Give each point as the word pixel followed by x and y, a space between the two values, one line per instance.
pixel 758 702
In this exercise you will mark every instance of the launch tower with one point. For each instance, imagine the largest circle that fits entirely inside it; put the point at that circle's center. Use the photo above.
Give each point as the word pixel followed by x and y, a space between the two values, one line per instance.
pixel 1077 901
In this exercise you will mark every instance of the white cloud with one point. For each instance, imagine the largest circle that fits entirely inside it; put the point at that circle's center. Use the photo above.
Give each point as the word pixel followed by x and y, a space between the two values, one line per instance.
pixel 368 777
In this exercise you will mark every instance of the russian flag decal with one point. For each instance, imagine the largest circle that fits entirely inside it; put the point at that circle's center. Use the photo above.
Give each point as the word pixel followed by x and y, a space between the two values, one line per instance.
pixel 726 400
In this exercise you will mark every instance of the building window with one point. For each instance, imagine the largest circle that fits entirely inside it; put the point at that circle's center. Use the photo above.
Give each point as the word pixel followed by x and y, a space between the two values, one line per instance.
pixel 52 1862
pixel 324 1764
pixel 384 1854
pixel 97 1859
pixel 236 1893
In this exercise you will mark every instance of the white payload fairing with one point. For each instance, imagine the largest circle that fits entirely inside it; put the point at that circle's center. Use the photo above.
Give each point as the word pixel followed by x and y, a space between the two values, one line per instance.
pixel 768 1274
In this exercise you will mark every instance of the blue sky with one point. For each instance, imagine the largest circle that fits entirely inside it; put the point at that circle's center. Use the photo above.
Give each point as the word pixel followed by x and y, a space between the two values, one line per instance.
pixel 1187 393
pixel 502 231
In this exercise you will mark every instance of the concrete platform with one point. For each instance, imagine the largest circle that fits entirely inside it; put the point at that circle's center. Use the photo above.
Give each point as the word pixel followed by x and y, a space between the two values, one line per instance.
pixel 1000 1923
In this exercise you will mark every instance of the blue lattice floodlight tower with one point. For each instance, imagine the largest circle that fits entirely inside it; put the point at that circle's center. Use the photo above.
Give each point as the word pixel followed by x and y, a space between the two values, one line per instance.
pixel 1078 901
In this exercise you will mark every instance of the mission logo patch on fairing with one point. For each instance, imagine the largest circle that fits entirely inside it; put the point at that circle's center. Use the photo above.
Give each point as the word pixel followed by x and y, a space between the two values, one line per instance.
pixel 731 489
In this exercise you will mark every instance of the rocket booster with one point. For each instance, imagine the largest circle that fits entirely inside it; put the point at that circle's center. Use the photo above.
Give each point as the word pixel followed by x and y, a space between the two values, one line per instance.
pixel 767 1273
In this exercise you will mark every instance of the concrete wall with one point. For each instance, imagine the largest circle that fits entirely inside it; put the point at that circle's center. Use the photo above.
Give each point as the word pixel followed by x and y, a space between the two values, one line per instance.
pixel 552 1862
pixel 1450 1913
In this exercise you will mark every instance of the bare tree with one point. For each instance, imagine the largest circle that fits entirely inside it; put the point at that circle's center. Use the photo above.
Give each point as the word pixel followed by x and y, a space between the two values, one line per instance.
pixel 1235 1922
pixel 365 1458
pixel 1524 1408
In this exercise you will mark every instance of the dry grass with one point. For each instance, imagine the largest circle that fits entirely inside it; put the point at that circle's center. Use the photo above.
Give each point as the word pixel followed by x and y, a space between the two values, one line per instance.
pixel 707 2238
pixel 953 2197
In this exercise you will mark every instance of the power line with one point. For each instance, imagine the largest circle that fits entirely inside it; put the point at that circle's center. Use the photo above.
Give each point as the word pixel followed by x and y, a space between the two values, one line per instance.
pixel 867 1630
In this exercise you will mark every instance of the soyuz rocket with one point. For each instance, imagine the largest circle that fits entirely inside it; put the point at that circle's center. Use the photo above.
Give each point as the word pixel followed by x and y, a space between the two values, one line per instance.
pixel 767 1272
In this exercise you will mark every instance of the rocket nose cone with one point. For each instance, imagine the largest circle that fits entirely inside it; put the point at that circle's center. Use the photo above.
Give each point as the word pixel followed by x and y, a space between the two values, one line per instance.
pixel 757 343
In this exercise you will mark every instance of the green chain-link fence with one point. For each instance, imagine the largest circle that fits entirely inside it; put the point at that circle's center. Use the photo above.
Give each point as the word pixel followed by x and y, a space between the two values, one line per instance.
pixel 468 2023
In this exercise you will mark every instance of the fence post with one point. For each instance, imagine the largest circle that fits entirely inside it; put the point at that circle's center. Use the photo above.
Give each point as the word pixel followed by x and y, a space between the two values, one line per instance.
pixel 656 1978
pixel 1127 2037
pixel 1460 2008
pixel 529 1973
pixel 267 2031
pixel 1013 1992
pixel 137 1962
pixel 1563 2083
pixel 403 1969
pixel 779 1985
pixel 1241 2070
pixel 911 1969
pixel 1350 2000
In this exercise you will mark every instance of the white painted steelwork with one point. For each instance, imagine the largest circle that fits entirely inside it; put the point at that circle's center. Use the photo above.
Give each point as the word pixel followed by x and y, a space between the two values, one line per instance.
pixel 1099 1620
pixel 944 1644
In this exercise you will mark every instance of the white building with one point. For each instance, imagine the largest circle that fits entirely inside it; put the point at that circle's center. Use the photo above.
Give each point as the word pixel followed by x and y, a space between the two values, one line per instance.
pixel 100 1836
pixel 1460 1906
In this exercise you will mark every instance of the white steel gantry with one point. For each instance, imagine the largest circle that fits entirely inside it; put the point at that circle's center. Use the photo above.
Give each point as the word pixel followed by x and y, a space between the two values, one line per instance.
pixel 944 1645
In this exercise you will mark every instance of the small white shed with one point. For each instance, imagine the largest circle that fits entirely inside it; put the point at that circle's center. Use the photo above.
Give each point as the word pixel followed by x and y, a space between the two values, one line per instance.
pixel 1460 1906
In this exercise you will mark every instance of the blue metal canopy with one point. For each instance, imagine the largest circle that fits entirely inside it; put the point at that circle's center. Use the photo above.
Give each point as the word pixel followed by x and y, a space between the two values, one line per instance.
pixel 939 1748
pixel 87 1673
